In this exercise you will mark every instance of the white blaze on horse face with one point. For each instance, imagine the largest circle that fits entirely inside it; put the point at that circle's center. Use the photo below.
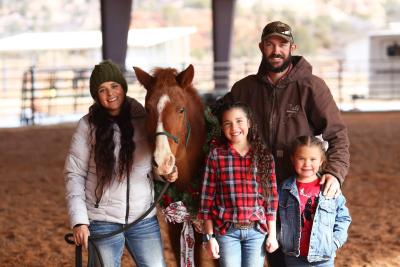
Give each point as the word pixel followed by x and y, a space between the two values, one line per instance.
pixel 162 154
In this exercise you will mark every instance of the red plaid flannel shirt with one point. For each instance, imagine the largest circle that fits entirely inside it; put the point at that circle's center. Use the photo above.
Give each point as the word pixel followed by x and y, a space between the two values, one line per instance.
pixel 232 194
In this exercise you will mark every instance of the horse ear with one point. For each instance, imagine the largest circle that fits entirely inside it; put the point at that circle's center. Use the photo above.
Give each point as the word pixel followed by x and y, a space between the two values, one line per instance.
pixel 144 78
pixel 185 78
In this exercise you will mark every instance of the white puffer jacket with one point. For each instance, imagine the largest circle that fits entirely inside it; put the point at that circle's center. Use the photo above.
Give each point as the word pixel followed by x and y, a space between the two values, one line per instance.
pixel 81 180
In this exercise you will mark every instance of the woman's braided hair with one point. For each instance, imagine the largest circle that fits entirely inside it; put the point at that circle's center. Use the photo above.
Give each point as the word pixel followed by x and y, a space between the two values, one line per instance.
pixel 107 167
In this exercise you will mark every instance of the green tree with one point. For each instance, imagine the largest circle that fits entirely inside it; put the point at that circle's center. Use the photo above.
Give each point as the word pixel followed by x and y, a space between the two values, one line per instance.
pixel 392 10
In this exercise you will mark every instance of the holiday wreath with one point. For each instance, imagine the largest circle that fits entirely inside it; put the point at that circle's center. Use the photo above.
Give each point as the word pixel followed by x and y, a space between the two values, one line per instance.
pixel 182 206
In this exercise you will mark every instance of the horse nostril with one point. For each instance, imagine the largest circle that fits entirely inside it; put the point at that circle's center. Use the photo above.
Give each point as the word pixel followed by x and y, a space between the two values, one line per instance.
pixel 154 163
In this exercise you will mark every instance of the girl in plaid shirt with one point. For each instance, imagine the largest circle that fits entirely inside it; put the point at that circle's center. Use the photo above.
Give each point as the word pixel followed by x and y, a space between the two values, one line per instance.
pixel 239 196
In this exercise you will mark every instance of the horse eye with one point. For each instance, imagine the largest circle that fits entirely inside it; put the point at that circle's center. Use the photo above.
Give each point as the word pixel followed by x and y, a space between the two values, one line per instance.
pixel 182 109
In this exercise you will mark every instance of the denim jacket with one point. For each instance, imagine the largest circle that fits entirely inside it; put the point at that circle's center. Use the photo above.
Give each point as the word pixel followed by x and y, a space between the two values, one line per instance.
pixel 330 224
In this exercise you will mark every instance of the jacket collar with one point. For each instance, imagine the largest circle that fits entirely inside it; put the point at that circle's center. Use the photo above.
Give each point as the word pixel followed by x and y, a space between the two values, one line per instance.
pixel 137 110
pixel 290 184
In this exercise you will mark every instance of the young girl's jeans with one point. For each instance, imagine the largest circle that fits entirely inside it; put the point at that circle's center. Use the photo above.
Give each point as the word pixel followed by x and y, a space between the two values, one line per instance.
pixel 292 261
pixel 241 248
pixel 143 241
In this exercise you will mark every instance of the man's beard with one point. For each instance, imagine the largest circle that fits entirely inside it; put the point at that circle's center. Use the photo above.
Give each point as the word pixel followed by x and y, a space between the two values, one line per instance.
pixel 282 67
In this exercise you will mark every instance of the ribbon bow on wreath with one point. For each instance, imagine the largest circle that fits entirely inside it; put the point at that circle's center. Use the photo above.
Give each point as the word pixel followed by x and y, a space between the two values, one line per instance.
pixel 181 207
pixel 177 213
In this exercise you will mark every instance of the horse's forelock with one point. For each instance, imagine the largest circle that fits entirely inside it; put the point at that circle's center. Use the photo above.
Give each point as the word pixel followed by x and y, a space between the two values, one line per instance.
pixel 165 75
pixel 156 71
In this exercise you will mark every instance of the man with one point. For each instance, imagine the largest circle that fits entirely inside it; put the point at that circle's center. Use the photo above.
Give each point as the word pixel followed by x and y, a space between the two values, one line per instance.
pixel 289 101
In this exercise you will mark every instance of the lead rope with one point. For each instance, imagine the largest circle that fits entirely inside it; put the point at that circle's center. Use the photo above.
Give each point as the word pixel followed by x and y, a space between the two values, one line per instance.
pixel 69 238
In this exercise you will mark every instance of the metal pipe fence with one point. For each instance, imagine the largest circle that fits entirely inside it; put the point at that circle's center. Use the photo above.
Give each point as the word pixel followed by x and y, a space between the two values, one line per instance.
pixel 45 95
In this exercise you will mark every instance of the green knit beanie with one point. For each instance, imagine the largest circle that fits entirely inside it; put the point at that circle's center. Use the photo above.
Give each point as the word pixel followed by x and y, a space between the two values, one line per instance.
pixel 106 71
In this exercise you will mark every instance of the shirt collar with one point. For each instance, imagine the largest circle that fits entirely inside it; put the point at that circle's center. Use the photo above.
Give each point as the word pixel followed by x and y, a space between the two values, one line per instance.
pixel 233 151
pixel 287 71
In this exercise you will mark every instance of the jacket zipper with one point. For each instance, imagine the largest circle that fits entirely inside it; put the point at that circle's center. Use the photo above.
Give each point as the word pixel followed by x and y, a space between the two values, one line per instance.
pixel 272 121
pixel 127 200
pixel 96 205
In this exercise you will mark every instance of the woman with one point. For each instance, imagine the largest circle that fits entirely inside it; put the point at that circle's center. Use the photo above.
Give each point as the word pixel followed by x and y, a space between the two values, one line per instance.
pixel 108 175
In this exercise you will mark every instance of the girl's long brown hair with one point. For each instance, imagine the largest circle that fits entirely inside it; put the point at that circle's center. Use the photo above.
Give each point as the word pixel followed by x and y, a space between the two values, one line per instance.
pixel 107 167
pixel 262 158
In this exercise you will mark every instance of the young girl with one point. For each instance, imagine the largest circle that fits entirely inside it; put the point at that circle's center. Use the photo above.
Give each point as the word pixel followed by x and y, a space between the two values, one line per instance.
pixel 239 194
pixel 313 227
pixel 108 175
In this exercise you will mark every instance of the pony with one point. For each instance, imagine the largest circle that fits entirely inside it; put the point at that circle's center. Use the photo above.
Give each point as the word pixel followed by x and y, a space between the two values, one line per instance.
pixel 177 128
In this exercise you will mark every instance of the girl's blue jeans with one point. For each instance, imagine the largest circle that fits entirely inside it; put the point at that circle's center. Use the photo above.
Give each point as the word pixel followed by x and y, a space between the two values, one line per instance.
pixel 142 240
pixel 241 248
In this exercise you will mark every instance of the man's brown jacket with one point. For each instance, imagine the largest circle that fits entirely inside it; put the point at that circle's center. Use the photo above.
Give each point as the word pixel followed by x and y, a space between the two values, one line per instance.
pixel 300 104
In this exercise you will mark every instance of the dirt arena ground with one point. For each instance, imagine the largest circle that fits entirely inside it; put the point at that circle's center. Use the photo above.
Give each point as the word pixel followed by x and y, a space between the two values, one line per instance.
pixel 33 217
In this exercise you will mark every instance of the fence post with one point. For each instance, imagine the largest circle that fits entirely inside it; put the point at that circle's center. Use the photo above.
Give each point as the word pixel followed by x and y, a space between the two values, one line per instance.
pixel 33 109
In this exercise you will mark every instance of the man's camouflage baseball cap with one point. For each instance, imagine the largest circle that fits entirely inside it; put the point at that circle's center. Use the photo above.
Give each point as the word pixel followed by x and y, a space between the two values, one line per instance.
pixel 277 28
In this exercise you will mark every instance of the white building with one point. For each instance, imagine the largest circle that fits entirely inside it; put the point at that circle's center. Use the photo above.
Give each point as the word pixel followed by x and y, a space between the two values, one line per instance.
pixel 146 47
pixel 384 58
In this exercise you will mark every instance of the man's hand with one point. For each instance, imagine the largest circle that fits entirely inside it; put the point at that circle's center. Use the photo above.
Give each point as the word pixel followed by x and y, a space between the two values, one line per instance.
pixel 331 186
pixel 81 235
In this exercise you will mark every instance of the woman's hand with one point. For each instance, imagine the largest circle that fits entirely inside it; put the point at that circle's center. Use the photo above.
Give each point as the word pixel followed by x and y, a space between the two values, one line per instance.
pixel 81 235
